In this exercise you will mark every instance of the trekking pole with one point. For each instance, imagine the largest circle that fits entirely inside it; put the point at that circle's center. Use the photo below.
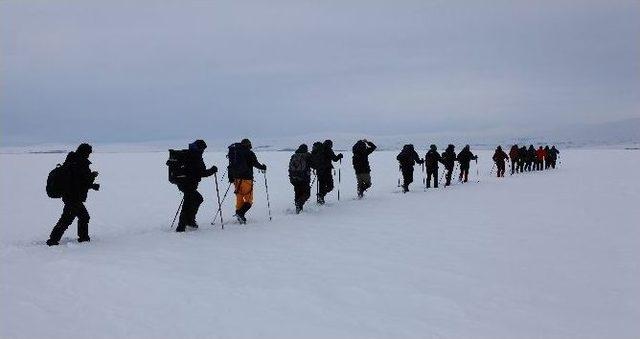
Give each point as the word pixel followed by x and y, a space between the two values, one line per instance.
pixel 339 178
pixel 215 176
pixel 224 198
pixel 477 171
pixel 178 211
pixel 492 167
pixel 424 179
pixel 399 174
pixel 266 188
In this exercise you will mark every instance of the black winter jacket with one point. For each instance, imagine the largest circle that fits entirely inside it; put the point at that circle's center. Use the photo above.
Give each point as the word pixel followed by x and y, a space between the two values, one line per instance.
pixel 360 160
pixel 80 178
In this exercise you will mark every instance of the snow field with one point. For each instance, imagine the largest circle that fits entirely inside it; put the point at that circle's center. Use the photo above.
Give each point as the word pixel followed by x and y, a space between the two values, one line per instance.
pixel 542 254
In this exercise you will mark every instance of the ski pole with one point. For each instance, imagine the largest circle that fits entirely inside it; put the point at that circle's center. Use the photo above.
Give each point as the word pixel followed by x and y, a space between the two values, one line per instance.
pixel 178 211
pixel 266 188
pixel 399 174
pixel 339 178
pixel 424 179
pixel 215 176
pixel 477 171
pixel 224 198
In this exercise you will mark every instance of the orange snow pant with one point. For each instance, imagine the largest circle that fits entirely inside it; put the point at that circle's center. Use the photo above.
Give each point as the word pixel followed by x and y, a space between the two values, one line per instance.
pixel 243 191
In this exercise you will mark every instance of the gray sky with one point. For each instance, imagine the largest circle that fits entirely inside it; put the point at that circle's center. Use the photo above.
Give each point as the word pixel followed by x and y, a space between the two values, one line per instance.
pixel 151 70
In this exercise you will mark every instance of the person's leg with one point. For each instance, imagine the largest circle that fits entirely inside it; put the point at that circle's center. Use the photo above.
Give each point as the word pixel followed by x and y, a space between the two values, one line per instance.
pixel 63 223
pixel 83 222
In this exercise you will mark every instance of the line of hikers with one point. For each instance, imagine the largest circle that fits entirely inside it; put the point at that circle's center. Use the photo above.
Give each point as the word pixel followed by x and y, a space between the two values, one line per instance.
pixel 72 180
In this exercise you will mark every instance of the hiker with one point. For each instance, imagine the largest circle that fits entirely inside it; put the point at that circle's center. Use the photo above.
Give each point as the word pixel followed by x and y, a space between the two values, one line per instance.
pixel 531 158
pixel 76 181
pixel 464 159
pixel 242 160
pixel 553 156
pixel 408 158
pixel 515 159
pixel 300 176
pixel 192 171
pixel 431 159
pixel 322 158
pixel 499 158
pixel 449 159
pixel 540 155
pixel 522 158
pixel 547 152
pixel 361 151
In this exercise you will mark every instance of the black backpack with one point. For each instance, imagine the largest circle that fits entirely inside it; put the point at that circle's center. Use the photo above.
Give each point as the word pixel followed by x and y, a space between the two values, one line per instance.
pixel 177 165
pixel 58 181
pixel 298 167
pixel 237 161
pixel 317 155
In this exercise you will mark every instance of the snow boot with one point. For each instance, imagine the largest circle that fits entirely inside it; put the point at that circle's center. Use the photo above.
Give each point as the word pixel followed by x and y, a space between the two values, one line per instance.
pixel 51 242
pixel 83 239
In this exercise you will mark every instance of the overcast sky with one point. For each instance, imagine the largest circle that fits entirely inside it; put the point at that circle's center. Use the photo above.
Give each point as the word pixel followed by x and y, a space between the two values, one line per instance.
pixel 151 70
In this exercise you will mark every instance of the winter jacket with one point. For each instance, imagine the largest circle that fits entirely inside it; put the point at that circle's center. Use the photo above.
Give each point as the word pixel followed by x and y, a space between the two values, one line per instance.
pixel 325 159
pixel 514 152
pixel 540 154
pixel 500 155
pixel 408 157
pixel 248 161
pixel 80 178
pixel 465 156
pixel 449 158
pixel 360 159
pixel 432 158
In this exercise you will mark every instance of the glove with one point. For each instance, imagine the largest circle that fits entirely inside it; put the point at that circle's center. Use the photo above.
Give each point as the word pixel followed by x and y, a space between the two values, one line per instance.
pixel 94 174
pixel 214 169
pixel 340 156
pixel 95 187
pixel 264 167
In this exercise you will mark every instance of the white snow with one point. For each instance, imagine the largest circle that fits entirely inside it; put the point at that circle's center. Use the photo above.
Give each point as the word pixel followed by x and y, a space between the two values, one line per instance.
pixel 550 254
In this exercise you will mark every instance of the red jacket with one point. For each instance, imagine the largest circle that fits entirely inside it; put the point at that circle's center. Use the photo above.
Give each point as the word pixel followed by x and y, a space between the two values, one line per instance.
pixel 541 154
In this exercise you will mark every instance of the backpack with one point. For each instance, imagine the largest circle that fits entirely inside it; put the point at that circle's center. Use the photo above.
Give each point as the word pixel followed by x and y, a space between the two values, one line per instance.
pixel 237 161
pixel 58 181
pixel 177 165
pixel 298 167
pixel 317 154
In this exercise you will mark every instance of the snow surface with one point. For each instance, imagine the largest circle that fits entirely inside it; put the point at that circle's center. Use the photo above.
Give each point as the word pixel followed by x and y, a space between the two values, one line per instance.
pixel 547 254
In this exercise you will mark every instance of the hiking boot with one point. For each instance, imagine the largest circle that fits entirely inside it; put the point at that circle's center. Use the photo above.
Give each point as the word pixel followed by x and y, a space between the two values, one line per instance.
pixel 241 219
pixel 52 243
pixel 320 200
pixel 193 224
pixel 298 209
pixel 83 239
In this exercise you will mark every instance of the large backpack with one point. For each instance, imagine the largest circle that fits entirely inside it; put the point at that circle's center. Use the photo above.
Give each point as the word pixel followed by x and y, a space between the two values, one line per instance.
pixel 177 165
pixel 58 181
pixel 317 155
pixel 298 167
pixel 237 161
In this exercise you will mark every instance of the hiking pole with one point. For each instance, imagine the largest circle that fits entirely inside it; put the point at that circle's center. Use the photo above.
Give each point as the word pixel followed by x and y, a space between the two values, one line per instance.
pixel 424 179
pixel 178 211
pixel 220 210
pixel 266 188
pixel 215 176
pixel 399 174
pixel 492 167
pixel 339 177
pixel 477 172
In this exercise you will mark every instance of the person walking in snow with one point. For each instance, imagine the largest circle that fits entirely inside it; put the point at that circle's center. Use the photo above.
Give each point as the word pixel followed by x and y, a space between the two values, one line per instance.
pixel 449 159
pixel 522 159
pixel 515 159
pixel 194 171
pixel 553 156
pixel 464 159
pixel 540 155
pixel 78 180
pixel 431 159
pixel 408 158
pixel 242 160
pixel 361 151
pixel 499 158
pixel 322 158
pixel 300 176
